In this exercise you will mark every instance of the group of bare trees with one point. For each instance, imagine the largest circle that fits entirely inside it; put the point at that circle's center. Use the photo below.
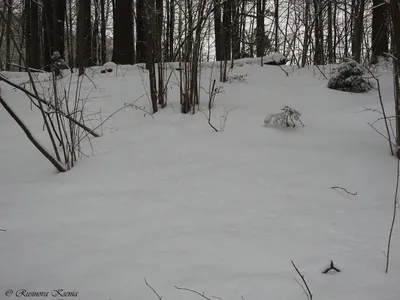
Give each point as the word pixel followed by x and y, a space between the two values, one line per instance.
pixel 90 32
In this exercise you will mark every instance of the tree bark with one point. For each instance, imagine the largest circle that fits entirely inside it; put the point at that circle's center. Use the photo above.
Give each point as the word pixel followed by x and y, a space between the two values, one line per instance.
pixel 260 32
pixel 32 51
pixel 8 33
pixel 140 32
pixel 84 37
pixel 358 30
pixel 123 33
pixel 380 39
pixel 53 24
pixel 218 30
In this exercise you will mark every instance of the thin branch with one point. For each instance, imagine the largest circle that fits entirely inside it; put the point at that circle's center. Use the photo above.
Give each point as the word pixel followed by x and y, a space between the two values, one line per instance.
pixel 339 187
pixel 394 216
pixel 29 135
pixel 383 109
pixel 302 286
pixel 154 291
pixel 3 230
pixel 193 291
pixel 381 134
pixel 28 93
pixel 309 294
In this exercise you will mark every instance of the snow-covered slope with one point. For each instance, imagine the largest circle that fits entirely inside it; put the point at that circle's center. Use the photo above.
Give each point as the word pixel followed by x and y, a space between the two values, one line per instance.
pixel 170 200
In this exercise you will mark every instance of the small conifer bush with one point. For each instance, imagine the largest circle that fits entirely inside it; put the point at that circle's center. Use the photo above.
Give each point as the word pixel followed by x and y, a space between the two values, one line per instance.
pixel 288 117
pixel 349 77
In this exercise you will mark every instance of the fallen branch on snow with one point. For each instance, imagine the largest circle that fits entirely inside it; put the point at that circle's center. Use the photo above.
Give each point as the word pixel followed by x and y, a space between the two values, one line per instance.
pixel 154 291
pixel 339 187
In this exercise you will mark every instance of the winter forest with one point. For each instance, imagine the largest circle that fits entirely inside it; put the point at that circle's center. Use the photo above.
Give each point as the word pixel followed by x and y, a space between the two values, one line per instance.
pixel 199 149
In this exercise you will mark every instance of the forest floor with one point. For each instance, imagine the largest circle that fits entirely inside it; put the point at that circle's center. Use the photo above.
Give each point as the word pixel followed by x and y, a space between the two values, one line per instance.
pixel 168 199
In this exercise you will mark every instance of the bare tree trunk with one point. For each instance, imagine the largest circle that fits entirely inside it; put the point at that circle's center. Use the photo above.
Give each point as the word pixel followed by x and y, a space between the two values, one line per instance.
pixel 276 23
pixel 9 4
pixel 123 33
pixel 236 29
pixel 83 46
pixel 32 34
pixel 395 37
pixel 319 37
pixel 140 32
pixel 218 30
pixel 227 25
pixel 150 25
pixel 95 33
pixel 53 24
pixel 260 34
pixel 380 40
pixel 358 30
pixel 307 33
pixel 171 29
pixel 103 26
pixel 330 34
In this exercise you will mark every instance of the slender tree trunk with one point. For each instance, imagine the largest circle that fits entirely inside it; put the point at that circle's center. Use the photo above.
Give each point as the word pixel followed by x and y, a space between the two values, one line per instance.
pixel 380 40
pixel 276 23
pixel 171 29
pixel 32 34
pixel 395 36
pixel 123 33
pixel 218 30
pixel 358 30
pixel 236 29
pixel 95 33
pixel 8 33
pixel 330 33
pixel 53 23
pixel 140 32
pixel 84 42
pixel 318 33
pixel 103 25
pixel 307 32
pixel 260 33
pixel 227 25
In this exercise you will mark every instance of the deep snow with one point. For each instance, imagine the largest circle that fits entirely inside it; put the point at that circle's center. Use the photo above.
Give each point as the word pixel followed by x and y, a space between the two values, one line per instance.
pixel 170 200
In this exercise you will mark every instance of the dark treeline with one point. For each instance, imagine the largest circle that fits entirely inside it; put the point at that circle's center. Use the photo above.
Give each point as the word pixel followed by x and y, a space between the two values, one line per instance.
pixel 92 32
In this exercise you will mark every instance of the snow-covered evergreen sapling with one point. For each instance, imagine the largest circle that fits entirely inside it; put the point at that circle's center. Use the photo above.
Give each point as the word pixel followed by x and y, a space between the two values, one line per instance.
pixel 349 77
pixel 288 117
pixel 58 63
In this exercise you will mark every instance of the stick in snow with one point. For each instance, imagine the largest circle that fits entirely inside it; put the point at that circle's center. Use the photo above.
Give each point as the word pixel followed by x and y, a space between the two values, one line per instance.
pixel 309 295
pixel 339 187
pixel 331 267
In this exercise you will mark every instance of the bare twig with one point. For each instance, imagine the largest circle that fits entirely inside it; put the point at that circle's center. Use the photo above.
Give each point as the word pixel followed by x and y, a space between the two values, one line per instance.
pixel 383 109
pixel 277 63
pixel 55 162
pixel 381 134
pixel 32 69
pixel 193 291
pixel 309 294
pixel 154 291
pixel 302 286
pixel 3 230
pixel 41 100
pixel 394 216
pixel 339 187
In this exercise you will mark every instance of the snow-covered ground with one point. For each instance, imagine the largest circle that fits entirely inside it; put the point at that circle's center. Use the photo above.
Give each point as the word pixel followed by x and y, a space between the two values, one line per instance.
pixel 170 200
